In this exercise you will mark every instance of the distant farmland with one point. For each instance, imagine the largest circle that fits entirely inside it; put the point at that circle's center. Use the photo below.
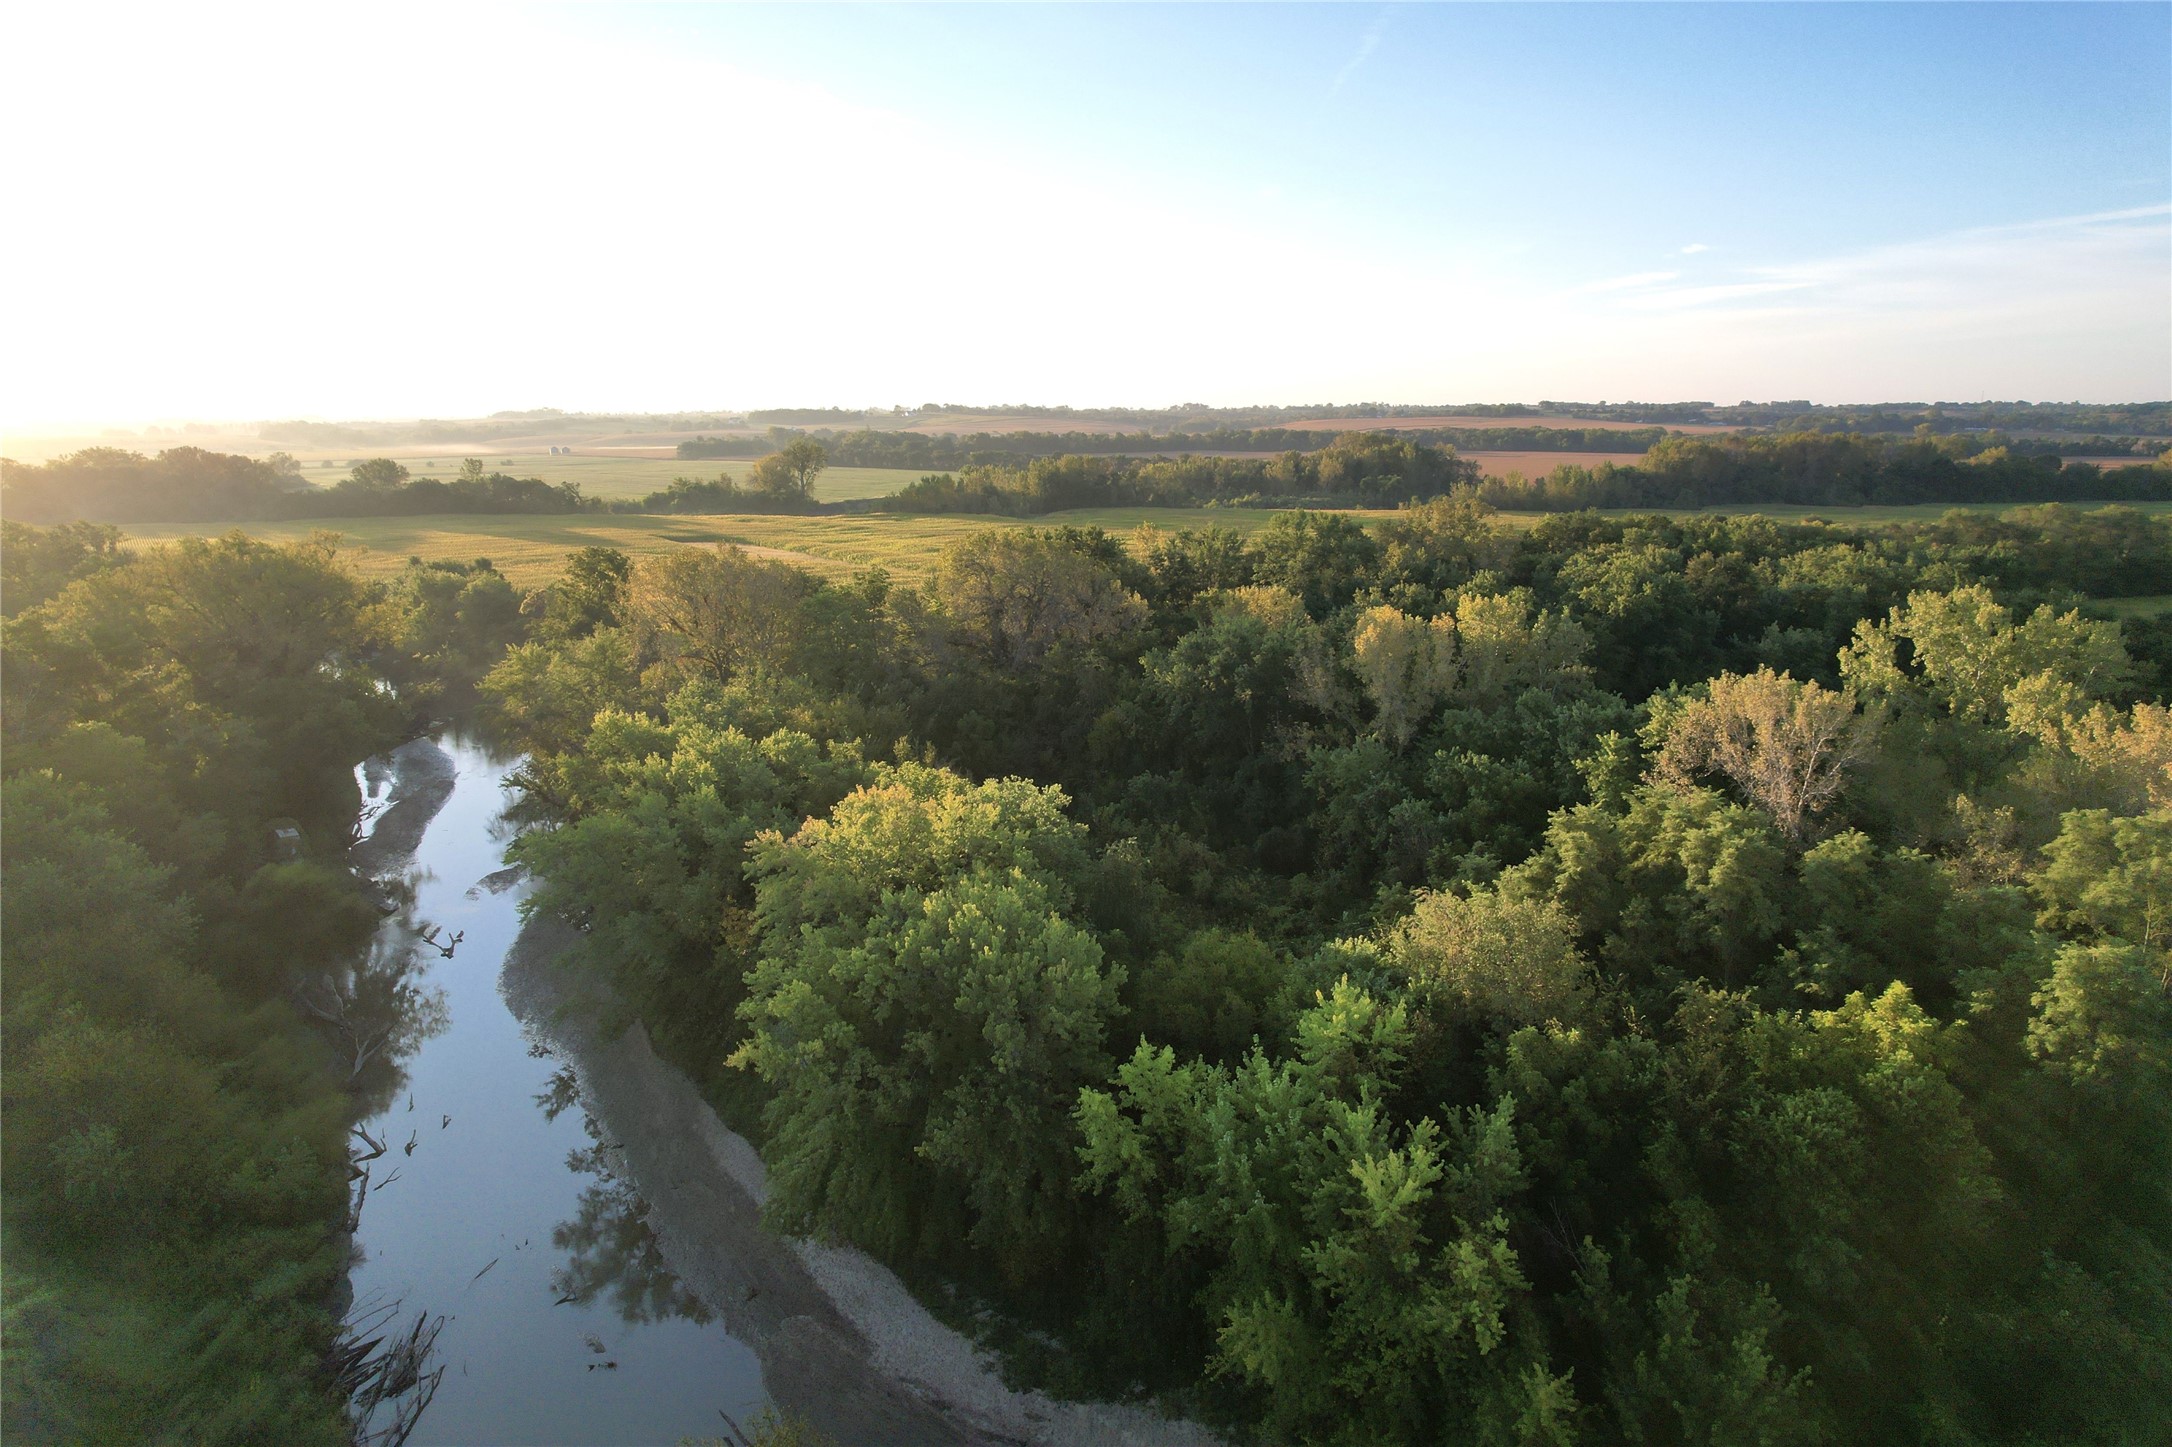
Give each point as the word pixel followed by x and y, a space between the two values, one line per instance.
pixel 531 549
pixel 1538 464
pixel 629 474
pixel 1419 424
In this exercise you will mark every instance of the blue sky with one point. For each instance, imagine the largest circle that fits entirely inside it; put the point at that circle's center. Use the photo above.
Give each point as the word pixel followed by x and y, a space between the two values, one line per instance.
pixel 700 206
pixel 1753 126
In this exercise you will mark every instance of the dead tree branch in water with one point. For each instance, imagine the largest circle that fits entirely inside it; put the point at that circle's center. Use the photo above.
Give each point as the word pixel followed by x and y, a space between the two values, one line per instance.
pixel 363 1041
pixel 358 1175
pixel 378 1372
pixel 444 947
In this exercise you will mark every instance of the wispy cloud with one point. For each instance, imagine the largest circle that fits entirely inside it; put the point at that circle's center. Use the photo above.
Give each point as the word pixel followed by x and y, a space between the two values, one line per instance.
pixel 2066 306
pixel 1367 44
pixel 1679 297
pixel 1984 270
pixel 1693 248
pixel 1626 283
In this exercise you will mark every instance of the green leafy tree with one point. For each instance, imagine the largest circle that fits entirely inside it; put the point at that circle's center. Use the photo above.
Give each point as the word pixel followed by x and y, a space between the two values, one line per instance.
pixel 1015 594
pixel 1321 557
pixel 452 622
pixel 711 613
pixel 2107 876
pixel 791 470
pixel 1972 659
pixel 36 563
pixel 247 663
pixel 590 594
pixel 543 695
pixel 925 1011
pixel 1216 998
pixel 1358 1270
pixel 1493 958
pixel 376 474
pixel 652 860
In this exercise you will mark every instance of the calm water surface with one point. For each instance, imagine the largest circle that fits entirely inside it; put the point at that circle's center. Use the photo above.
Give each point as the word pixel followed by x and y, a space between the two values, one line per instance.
pixel 495 1200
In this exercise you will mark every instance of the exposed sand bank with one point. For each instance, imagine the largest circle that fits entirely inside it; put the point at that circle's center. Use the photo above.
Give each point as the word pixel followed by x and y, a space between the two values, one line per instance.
pixel 839 1337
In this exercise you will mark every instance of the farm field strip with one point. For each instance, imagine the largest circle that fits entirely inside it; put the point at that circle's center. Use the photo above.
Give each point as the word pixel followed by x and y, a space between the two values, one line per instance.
pixel 1422 424
pixel 1539 464
pixel 531 549
pixel 2139 607
pixel 618 476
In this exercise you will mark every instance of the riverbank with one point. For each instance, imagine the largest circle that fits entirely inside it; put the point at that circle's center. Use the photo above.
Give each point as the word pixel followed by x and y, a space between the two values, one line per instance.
pixel 840 1339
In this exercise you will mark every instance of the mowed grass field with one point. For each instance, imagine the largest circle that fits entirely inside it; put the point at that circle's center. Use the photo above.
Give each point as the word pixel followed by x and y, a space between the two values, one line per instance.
pixel 1539 464
pixel 615 476
pixel 2144 607
pixel 1489 424
pixel 531 550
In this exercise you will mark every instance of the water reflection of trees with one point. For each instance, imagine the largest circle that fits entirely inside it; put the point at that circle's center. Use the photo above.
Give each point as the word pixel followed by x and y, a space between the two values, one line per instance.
pixel 373 1008
pixel 611 1254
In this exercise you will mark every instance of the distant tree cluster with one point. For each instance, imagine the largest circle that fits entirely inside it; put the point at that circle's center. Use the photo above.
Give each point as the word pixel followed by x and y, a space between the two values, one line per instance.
pixel 1825 470
pixel 381 487
pixel 2147 421
pixel 2139 420
pixel 695 449
pixel 1358 468
pixel 1010 476
pixel 782 481
pixel 871 448
pixel 180 484
pixel 187 484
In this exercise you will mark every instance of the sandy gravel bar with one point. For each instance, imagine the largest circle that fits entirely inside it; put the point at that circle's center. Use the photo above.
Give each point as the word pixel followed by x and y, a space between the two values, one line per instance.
pixel 839 1337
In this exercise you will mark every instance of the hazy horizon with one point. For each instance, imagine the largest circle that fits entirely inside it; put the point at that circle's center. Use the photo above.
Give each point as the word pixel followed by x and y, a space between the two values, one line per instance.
pixel 86 428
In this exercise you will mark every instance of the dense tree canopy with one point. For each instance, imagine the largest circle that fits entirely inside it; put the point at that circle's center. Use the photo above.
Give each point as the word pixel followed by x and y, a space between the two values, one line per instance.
pixel 175 1162
pixel 1624 980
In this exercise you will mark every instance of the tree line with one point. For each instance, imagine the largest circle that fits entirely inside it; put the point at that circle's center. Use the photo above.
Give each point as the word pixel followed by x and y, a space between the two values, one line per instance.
pixel 187 484
pixel 1625 979
pixel 2138 419
pixel 1357 469
pixel 1375 469
pixel 1813 469
pixel 950 451
pixel 870 448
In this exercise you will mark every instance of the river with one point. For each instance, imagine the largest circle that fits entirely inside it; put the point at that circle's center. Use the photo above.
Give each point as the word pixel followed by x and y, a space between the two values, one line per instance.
pixel 495 1199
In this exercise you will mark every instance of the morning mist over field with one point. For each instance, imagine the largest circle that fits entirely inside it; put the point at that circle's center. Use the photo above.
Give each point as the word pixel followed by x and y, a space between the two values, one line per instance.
pixel 1107 725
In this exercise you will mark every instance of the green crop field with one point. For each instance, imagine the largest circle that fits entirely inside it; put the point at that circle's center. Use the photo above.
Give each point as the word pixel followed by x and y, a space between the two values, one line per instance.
pixel 614 477
pixel 1912 513
pixel 2143 607
pixel 530 550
